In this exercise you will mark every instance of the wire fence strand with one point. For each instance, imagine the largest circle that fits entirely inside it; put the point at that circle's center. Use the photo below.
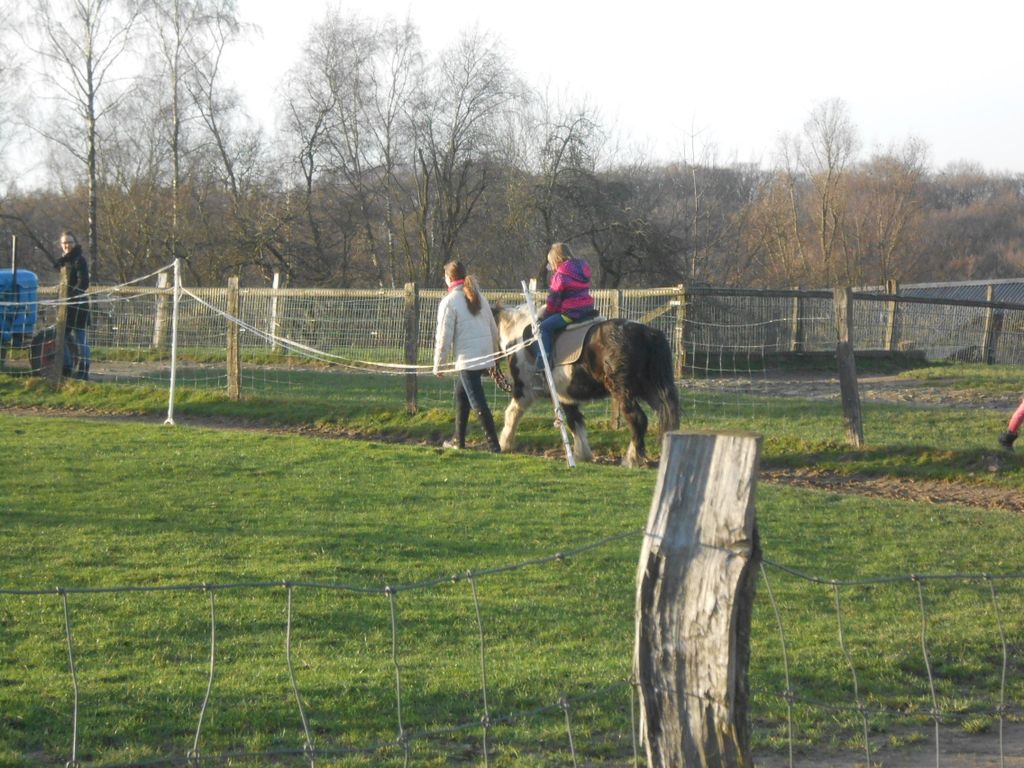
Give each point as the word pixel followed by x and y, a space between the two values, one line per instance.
pixel 567 705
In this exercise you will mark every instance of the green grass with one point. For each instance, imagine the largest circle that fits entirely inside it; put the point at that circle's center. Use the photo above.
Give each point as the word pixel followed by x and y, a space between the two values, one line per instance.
pixel 990 379
pixel 155 506
pixel 102 504
pixel 925 443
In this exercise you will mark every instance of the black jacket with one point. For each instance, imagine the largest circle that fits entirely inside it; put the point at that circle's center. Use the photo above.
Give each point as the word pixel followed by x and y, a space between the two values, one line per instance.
pixel 78 284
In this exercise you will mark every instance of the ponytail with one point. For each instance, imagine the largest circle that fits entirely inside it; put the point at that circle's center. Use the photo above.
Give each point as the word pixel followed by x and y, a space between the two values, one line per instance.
pixel 454 270
pixel 472 293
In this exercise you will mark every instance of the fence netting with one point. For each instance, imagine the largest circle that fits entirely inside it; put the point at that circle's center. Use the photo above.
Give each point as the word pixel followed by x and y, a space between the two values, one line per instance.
pixel 302 672
pixel 735 349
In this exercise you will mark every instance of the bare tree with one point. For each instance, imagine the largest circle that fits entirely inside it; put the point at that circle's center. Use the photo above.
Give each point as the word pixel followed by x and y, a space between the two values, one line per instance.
pixel 249 221
pixel 832 144
pixel 884 206
pixel 184 31
pixel 132 171
pixel 398 77
pixel 795 226
pixel 456 141
pixel 569 143
pixel 80 43
pixel 346 108
pixel 775 222
pixel 9 76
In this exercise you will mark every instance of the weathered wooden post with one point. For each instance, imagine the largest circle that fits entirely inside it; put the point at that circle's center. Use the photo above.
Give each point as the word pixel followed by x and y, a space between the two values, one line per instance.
pixel 847 365
pixel 160 321
pixel 275 320
pixel 679 335
pixel 892 288
pixel 412 342
pixel 234 362
pixel 796 324
pixel 615 311
pixel 615 303
pixel 695 592
pixel 56 369
pixel 987 347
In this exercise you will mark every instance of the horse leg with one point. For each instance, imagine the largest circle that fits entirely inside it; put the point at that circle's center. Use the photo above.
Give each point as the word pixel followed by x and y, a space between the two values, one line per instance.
pixel 636 454
pixel 522 398
pixel 576 424
pixel 513 415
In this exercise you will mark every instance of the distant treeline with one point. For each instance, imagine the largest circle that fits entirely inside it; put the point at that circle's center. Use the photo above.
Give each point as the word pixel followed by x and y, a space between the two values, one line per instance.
pixel 387 162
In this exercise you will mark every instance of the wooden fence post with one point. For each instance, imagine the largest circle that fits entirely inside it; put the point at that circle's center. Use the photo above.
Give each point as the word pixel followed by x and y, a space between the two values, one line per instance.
pixel 234 363
pixel 695 591
pixel 615 416
pixel 160 323
pixel 678 338
pixel 796 324
pixel 892 288
pixel 56 370
pixel 989 333
pixel 412 341
pixel 275 321
pixel 847 365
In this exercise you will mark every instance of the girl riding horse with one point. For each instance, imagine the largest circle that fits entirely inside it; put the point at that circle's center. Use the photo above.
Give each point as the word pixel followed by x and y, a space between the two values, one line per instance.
pixel 569 298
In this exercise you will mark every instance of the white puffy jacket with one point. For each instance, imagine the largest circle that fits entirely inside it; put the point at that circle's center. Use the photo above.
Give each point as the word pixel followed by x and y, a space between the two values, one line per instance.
pixel 471 339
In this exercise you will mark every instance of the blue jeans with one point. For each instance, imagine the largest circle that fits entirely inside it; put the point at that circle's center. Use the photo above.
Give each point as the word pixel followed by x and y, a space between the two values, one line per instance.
pixel 548 326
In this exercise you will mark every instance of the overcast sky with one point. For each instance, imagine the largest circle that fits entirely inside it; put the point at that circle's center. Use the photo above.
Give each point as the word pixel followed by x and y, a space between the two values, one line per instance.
pixel 732 74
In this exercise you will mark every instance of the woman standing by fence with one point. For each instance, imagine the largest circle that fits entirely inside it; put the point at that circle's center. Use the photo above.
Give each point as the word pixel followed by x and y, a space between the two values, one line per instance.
pixel 78 302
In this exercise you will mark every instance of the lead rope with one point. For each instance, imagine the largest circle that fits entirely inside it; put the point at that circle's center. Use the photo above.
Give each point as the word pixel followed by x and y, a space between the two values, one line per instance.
pixel 500 379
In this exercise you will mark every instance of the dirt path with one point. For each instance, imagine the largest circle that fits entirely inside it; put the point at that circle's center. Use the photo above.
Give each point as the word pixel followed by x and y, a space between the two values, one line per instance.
pixel 933 492
pixel 933 393
pixel 956 750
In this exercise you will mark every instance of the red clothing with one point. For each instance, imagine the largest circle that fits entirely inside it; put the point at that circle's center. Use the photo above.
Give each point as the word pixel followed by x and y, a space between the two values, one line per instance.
pixel 1017 419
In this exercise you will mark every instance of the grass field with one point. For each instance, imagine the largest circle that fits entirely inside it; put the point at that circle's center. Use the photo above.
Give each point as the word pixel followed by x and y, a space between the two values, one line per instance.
pixel 97 506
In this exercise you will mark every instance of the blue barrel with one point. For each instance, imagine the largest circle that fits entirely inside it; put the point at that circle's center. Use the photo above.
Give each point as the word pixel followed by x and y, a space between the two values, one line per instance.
pixel 18 296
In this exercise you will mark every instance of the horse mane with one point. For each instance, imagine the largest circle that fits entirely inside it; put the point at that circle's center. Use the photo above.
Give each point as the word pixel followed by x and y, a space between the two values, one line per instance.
pixel 511 321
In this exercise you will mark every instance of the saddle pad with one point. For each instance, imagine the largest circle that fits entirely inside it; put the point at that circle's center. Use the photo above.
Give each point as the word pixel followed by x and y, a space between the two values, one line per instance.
pixel 569 342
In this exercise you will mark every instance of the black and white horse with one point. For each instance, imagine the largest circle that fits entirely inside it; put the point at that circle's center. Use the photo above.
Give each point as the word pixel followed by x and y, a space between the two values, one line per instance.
pixel 627 361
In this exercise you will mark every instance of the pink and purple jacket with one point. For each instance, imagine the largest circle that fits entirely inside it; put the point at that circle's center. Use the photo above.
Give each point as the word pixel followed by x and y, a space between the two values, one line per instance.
pixel 569 293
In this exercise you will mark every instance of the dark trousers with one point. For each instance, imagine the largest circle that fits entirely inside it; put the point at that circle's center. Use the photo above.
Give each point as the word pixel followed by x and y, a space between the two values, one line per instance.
pixel 469 389
pixel 469 394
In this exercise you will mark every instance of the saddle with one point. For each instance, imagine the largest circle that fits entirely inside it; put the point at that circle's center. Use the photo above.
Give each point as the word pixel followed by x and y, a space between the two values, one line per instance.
pixel 569 341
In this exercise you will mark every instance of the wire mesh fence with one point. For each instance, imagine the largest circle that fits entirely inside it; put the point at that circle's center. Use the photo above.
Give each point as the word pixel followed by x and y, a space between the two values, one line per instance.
pixel 341 671
pixel 729 344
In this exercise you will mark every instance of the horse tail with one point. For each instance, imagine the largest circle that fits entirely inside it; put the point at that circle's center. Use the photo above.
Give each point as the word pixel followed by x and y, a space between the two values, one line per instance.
pixel 661 379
